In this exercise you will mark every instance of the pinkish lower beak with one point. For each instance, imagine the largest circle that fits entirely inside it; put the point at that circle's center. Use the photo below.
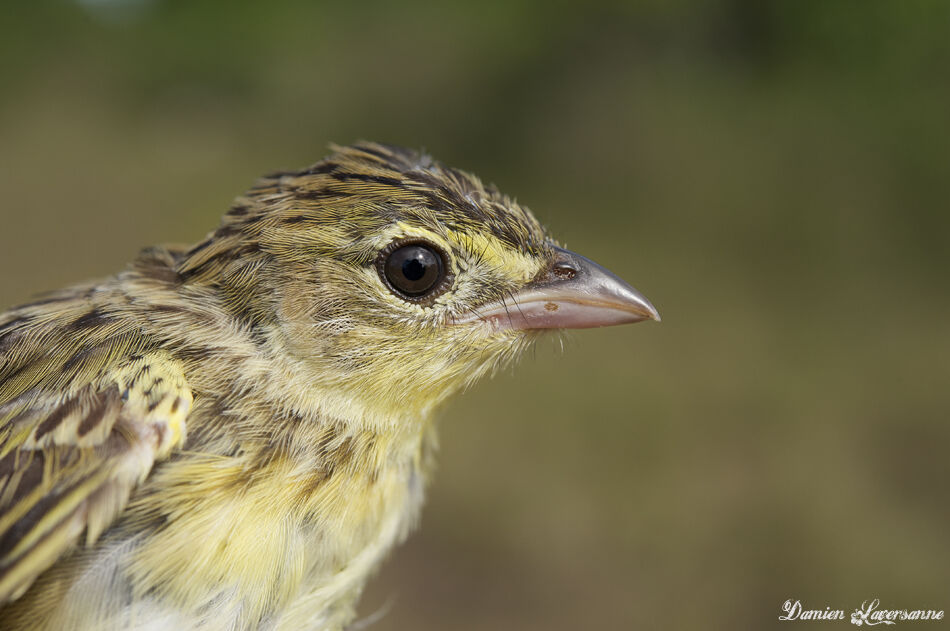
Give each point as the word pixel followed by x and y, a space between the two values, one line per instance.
pixel 575 293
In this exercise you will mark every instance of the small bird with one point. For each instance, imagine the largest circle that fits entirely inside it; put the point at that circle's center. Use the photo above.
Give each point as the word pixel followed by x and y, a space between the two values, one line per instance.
pixel 232 435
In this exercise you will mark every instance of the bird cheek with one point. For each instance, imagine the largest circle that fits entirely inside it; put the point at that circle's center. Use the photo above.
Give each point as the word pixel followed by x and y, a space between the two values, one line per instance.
pixel 294 307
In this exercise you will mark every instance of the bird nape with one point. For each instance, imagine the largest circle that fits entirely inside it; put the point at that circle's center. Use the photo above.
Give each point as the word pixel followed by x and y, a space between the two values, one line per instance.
pixel 233 435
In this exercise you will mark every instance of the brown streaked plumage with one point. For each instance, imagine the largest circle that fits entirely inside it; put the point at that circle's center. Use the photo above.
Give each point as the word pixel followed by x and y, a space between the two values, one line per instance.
pixel 233 435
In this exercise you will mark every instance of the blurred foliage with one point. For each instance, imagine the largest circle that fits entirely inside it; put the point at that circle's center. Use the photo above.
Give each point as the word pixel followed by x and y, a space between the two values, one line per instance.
pixel 773 175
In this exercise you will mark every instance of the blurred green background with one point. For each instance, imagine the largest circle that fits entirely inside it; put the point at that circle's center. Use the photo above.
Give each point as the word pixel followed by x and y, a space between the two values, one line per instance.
pixel 773 175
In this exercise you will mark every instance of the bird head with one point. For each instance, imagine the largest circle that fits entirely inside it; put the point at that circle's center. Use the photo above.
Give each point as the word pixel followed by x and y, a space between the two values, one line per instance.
pixel 395 280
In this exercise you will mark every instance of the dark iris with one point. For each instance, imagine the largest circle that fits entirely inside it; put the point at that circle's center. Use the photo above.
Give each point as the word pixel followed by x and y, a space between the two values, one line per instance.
pixel 414 269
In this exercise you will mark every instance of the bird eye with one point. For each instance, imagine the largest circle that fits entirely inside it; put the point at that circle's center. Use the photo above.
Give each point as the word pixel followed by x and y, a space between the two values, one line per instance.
pixel 414 270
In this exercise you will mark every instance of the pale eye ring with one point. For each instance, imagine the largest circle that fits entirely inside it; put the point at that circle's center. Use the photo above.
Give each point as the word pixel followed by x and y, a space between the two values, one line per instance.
pixel 415 270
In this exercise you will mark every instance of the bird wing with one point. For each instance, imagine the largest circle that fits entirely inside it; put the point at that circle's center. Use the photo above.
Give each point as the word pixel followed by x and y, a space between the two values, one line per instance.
pixel 71 453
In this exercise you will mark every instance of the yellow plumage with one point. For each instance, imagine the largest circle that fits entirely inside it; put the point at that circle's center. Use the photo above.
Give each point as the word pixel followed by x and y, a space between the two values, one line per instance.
pixel 233 435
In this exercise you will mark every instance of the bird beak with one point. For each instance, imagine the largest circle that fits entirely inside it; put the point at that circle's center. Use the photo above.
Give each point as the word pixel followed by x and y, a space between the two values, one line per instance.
pixel 574 293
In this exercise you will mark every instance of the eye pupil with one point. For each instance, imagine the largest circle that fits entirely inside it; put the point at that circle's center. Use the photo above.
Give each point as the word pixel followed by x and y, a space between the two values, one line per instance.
pixel 413 270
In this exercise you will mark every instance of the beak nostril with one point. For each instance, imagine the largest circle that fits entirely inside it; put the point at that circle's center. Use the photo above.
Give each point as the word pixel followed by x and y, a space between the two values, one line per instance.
pixel 564 272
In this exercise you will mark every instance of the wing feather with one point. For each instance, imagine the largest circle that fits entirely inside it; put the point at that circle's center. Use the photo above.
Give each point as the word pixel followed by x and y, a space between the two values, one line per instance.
pixel 70 460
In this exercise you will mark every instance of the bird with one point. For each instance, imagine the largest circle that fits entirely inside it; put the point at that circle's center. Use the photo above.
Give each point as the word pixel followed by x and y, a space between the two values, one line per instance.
pixel 234 434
